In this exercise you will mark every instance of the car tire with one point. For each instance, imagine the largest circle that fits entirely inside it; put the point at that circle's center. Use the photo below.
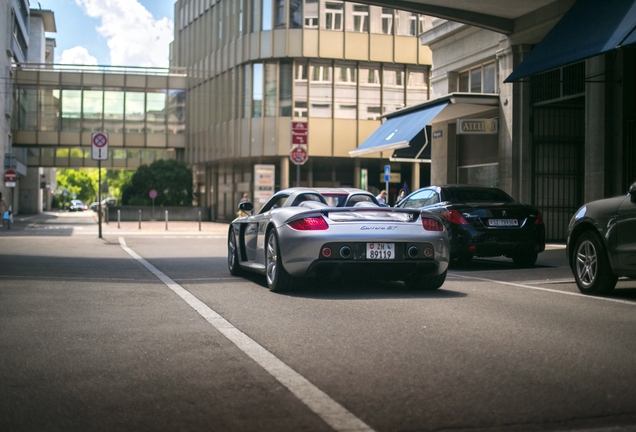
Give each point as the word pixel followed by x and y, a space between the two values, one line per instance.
pixel 591 267
pixel 232 255
pixel 426 282
pixel 525 259
pixel 278 280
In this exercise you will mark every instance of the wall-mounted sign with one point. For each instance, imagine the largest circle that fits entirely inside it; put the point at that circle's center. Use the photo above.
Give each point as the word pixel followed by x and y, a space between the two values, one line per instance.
pixel 437 134
pixel 264 181
pixel 477 126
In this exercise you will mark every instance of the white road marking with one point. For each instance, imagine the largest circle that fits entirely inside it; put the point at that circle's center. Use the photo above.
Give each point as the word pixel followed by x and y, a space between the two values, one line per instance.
pixel 547 289
pixel 334 414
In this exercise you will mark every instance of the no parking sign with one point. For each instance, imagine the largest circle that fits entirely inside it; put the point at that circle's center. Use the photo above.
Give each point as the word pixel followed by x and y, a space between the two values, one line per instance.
pixel 99 144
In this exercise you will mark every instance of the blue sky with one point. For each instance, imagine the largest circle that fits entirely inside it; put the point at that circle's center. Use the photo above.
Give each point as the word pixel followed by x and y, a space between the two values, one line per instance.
pixel 111 32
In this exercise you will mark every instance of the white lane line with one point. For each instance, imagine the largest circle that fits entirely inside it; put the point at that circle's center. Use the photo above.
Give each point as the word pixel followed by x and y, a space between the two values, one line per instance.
pixel 631 303
pixel 334 414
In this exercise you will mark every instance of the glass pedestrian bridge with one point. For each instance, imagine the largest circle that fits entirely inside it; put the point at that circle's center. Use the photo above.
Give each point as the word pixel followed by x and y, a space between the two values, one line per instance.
pixel 57 107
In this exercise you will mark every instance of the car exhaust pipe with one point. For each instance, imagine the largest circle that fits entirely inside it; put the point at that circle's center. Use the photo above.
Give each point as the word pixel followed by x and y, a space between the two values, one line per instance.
pixel 413 252
pixel 345 252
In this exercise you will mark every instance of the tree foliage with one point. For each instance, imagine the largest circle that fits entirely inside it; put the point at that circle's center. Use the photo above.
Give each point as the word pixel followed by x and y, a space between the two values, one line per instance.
pixel 170 178
pixel 84 182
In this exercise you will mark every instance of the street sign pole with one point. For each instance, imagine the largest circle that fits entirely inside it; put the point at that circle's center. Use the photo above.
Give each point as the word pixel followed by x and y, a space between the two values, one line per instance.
pixel 99 196
pixel 297 175
pixel 387 177
pixel 99 143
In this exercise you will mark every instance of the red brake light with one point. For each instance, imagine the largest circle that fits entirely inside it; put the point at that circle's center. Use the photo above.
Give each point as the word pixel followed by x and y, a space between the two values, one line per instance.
pixel 432 225
pixel 454 217
pixel 539 220
pixel 309 224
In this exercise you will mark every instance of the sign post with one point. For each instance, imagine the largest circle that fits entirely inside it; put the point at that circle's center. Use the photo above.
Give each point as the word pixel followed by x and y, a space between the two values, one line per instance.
pixel 387 178
pixel 99 144
pixel 153 195
pixel 300 140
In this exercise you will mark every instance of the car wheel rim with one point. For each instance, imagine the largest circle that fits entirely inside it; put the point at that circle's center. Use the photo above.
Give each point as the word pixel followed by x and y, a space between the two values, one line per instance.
pixel 231 246
pixel 271 258
pixel 586 263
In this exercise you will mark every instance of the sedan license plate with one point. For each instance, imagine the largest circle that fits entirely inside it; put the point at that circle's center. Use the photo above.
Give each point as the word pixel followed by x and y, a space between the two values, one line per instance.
pixel 503 222
pixel 380 251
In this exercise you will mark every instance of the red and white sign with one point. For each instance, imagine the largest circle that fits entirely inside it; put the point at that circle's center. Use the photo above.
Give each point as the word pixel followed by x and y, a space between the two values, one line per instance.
pixel 99 144
pixel 299 133
pixel 10 176
pixel 152 194
pixel 298 154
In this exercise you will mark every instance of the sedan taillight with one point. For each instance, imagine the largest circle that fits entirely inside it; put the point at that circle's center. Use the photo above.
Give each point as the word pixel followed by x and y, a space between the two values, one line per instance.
pixel 432 225
pixel 309 224
pixel 454 217
pixel 539 220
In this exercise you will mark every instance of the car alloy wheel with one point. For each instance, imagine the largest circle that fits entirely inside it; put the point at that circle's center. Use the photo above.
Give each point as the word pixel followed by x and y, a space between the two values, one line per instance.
pixel 278 279
pixel 591 267
pixel 232 255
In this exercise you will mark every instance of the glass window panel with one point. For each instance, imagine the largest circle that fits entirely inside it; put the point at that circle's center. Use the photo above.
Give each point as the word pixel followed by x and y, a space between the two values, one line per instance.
pixel 321 90
pixel 247 91
pixel 311 14
pixel 92 110
pixel 463 82
pixel 369 102
pixel 27 108
pixel 156 112
pixel 176 111
pixel 295 14
pixel 49 108
pixel 257 90
pixel 256 15
pixel 489 78
pixel 475 80
pixel 345 94
pixel 285 100
pixel 417 88
pixel 381 20
pixel 113 111
pixel 357 17
pixel 71 110
pixel 393 89
pixel 332 15
pixel 280 21
pixel 406 23
pixel 135 112
pixel 300 89
pixel 267 15
pixel 271 89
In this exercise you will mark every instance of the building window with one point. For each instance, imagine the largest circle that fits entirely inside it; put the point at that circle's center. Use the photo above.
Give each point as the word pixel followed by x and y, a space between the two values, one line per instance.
pixel 113 111
pixel 271 89
pixel 333 15
pixel 295 14
pixel 406 23
pixel 381 20
pixel 416 85
pixel 357 18
pixel 267 15
pixel 370 92
pixel 300 89
pixel 480 79
pixel 257 90
pixel 285 98
pixel 393 89
pixel 256 15
pixel 320 90
pixel 92 109
pixel 280 21
pixel 346 89
pixel 311 14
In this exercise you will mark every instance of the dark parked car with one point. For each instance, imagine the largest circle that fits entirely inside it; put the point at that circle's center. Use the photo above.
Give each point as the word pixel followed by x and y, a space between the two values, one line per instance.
pixel 602 243
pixel 77 205
pixel 483 222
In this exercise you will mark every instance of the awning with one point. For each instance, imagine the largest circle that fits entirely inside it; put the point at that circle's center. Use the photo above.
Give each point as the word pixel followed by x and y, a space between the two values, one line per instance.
pixel 589 28
pixel 397 132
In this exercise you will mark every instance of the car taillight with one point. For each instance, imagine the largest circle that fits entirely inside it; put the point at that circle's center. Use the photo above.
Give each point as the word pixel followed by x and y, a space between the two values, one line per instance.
pixel 539 220
pixel 309 224
pixel 454 217
pixel 432 225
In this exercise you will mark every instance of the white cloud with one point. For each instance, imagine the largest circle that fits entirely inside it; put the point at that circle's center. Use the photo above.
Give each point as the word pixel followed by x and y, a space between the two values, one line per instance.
pixel 77 55
pixel 134 37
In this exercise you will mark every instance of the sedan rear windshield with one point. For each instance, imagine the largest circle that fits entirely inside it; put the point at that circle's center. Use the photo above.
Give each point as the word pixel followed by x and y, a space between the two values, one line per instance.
pixel 477 194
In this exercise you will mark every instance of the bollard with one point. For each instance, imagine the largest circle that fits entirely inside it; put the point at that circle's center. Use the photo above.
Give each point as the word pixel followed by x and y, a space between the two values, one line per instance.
pixel 139 218
pixel 199 220
pixel 107 215
pixel 166 220
pixel 118 219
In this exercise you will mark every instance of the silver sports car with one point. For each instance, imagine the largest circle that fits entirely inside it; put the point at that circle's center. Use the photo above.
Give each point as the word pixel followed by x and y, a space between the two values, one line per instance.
pixel 297 235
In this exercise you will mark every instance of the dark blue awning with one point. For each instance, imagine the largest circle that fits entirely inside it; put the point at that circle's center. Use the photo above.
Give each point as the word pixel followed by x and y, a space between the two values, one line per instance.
pixel 397 132
pixel 589 28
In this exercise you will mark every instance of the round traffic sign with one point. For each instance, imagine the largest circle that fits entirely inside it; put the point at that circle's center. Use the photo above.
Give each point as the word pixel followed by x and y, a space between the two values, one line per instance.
pixel 10 175
pixel 298 155
pixel 100 140
pixel 153 194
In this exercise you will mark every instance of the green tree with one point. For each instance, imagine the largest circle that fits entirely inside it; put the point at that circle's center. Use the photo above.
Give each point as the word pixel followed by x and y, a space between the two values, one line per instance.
pixel 170 178
pixel 79 182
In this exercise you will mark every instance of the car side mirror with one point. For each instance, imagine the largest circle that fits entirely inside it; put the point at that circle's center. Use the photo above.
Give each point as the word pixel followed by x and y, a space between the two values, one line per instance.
pixel 246 207
pixel 632 192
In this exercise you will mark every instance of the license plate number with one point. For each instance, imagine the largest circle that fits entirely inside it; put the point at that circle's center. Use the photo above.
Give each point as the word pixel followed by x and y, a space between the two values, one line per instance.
pixel 503 222
pixel 380 251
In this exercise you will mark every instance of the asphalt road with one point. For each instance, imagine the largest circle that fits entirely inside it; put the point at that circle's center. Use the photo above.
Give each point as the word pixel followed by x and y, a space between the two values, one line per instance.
pixel 145 330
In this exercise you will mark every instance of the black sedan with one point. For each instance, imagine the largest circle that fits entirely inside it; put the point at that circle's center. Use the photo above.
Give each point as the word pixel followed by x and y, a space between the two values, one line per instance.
pixel 602 243
pixel 483 222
